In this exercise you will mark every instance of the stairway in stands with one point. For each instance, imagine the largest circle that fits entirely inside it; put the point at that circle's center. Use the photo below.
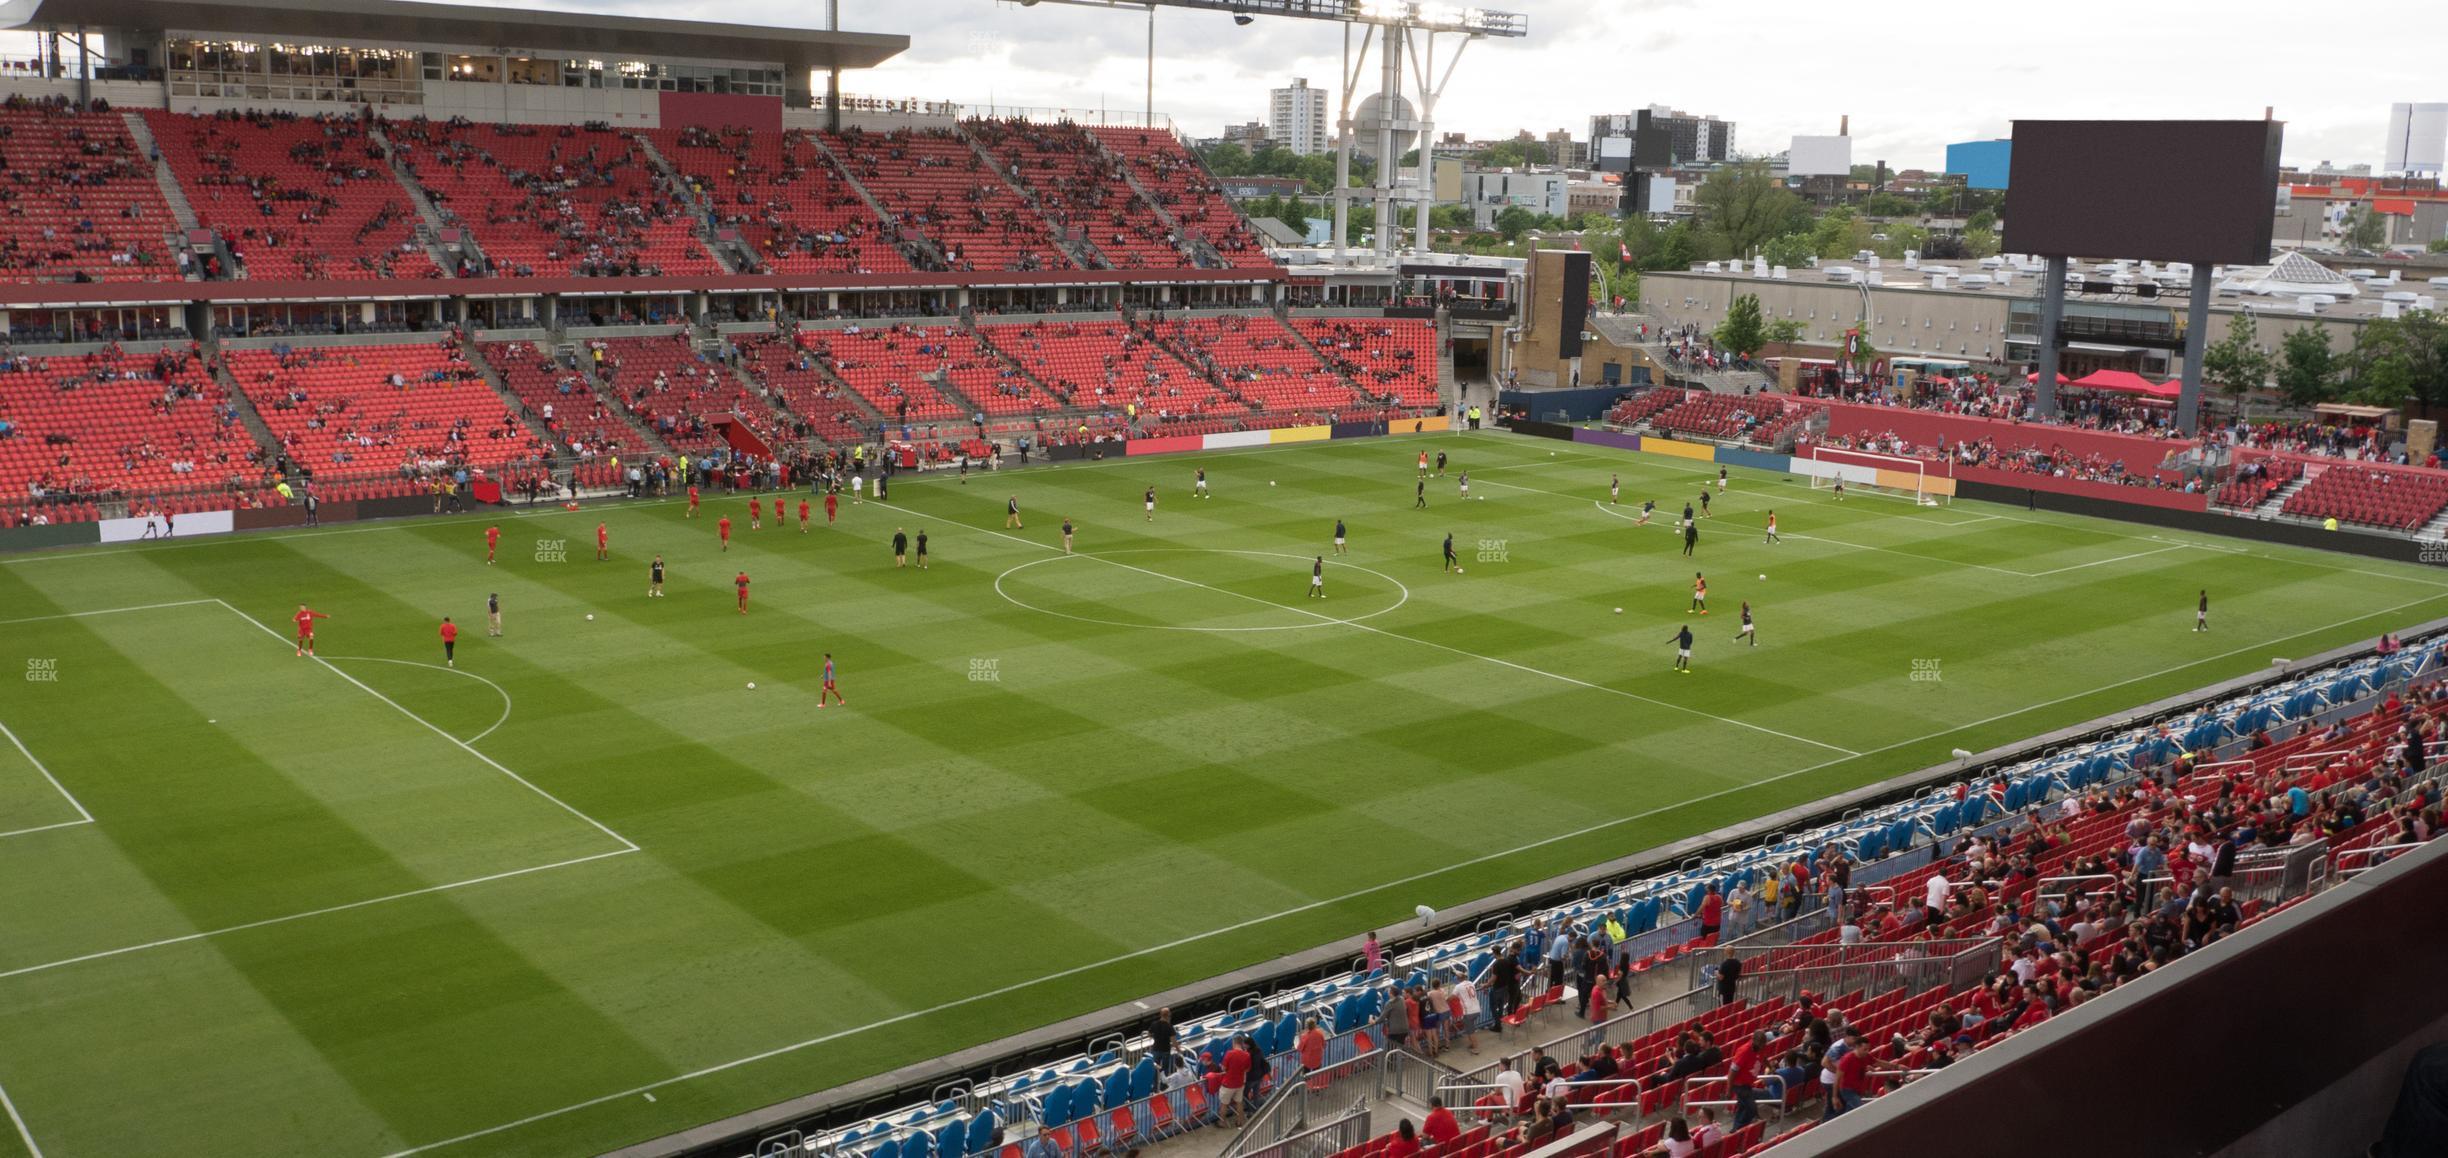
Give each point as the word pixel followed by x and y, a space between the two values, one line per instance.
pixel 1080 250
pixel 921 250
pixel 2276 503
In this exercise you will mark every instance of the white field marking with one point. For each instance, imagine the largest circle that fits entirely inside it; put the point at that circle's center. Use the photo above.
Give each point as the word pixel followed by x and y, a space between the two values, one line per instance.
pixel 1323 621
pixel 103 611
pixel 56 786
pixel 1194 938
pixel 27 1136
pixel 626 844
pixel 503 692
pixel 1371 628
pixel 224 930
pixel 2113 559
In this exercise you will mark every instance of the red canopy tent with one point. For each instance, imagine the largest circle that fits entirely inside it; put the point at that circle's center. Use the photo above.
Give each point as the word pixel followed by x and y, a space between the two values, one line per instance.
pixel 2034 376
pixel 2126 382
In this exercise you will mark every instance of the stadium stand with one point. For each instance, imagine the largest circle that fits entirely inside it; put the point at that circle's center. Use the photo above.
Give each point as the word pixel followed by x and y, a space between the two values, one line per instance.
pixel 1181 184
pixel 785 371
pixel 2254 482
pixel 1080 187
pixel 1110 367
pixel 790 204
pixel 558 396
pixel 1641 406
pixel 107 426
pixel 1728 416
pixel 2399 499
pixel 552 200
pixel 1387 357
pixel 678 393
pixel 888 367
pixel 80 199
pixel 295 197
pixel 1258 360
pixel 345 412
pixel 935 185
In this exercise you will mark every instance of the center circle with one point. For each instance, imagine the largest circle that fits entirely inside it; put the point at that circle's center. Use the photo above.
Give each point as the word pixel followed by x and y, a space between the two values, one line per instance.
pixel 1311 619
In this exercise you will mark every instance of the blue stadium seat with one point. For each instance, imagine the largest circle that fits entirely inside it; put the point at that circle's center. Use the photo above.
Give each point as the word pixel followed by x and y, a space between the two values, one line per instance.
pixel 1143 1079
pixel 982 1132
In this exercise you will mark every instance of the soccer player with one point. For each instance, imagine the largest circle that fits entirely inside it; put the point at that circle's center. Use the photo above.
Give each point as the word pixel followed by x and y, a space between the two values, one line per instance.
pixel 756 514
pixel 1419 494
pixel 832 505
pixel 1465 480
pixel 1201 485
pixel 1746 633
pixel 1150 500
pixel 1340 549
pixel 803 514
pixel 1317 577
pixel 1450 561
pixel 1648 508
pixel 2201 612
pixel 305 626
pixel 1066 534
pixel 829 688
pixel 1691 537
pixel 492 542
pixel 1704 503
pixel 603 542
pixel 922 556
pixel 722 527
pixel 1423 464
pixel 1615 490
pixel 692 507
pixel 858 489
pixel 450 642
pixel 900 548
pixel 1721 480
pixel 493 614
pixel 1840 489
pixel 654 578
pixel 742 584
pixel 1011 512
pixel 1683 642
pixel 1687 512
pixel 1772 535
pixel 1699 601
pixel 1440 464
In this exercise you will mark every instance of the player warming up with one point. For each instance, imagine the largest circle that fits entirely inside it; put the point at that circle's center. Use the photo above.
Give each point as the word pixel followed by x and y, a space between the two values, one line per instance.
pixel 1066 534
pixel 1201 485
pixel 722 527
pixel 692 507
pixel 1464 479
pixel 1699 601
pixel 1615 490
pixel 1683 642
pixel 1419 494
pixel 756 514
pixel 832 505
pixel 492 543
pixel 922 550
pixel 900 548
pixel 1648 508
pixel 1149 499
pixel 1691 536
pixel 803 514
pixel 1317 578
pixel 1451 563
pixel 1721 480
pixel 1704 504
pixel 654 578
pixel 2201 612
pixel 742 583
pixel 1423 464
pixel 493 615
pixel 1747 633
pixel 1340 549
pixel 1011 512
pixel 305 627
pixel 603 542
pixel 1772 535
pixel 450 642
pixel 830 688
pixel 1440 464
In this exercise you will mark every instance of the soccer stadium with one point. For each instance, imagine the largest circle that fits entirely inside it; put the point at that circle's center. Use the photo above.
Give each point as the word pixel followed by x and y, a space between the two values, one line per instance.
pixel 1415 688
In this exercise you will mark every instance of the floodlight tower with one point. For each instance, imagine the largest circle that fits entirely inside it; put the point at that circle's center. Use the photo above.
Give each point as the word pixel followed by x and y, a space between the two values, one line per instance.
pixel 1395 29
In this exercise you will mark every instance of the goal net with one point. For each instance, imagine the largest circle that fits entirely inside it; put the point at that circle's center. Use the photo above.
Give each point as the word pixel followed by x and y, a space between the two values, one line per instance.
pixel 1886 475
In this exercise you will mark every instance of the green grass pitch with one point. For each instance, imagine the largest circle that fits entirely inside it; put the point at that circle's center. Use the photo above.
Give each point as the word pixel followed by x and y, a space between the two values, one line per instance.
pixel 589 889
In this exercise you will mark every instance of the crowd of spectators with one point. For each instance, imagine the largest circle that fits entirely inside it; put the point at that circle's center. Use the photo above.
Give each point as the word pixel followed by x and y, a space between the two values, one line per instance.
pixel 552 199
pixel 2053 460
pixel 80 198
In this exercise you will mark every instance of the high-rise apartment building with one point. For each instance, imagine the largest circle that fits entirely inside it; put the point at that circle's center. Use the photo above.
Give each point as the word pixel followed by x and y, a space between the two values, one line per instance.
pixel 1296 118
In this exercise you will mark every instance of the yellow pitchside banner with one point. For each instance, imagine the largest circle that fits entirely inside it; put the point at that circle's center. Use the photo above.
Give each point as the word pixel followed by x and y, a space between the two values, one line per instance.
pixel 1300 434
pixel 1699 450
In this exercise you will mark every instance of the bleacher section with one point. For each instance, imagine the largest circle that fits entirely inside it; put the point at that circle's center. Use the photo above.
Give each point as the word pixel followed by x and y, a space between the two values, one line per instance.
pixel 1638 408
pixel 1107 366
pixel 560 398
pixel 2004 835
pixel 2256 481
pixel 101 427
pixel 789 203
pixel 1726 416
pixel 553 200
pixel 1387 357
pixel 80 200
pixel 787 372
pixel 1080 187
pixel 678 393
pixel 1258 360
pixel 934 184
pixel 2375 496
pixel 1180 183
pixel 888 366
pixel 387 410
pixel 295 197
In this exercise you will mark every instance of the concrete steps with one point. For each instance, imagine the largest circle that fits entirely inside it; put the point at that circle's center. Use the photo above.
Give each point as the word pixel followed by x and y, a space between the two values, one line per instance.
pixel 919 248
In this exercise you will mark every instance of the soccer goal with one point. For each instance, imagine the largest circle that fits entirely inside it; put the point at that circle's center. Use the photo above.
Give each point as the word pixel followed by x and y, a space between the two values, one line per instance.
pixel 1886 475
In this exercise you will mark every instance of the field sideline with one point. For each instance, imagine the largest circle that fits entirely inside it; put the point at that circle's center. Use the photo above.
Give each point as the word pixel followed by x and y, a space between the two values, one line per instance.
pixel 587 889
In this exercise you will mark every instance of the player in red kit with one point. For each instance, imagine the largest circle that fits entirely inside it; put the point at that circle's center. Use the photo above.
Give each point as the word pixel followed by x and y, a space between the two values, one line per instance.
pixel 756 514
pixel 829 689
pixel 832 504
pixel 742 583
pixel 492 541
pixel 722 527
pixel 803 515
pixel 450 642
pixel 305 624
pixel 692 510
pixel 603 542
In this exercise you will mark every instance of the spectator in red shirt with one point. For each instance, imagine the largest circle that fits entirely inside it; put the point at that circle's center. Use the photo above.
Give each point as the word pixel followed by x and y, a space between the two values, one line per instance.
pixel 1743 1077
pixel 1312 1049
pixel 1440 1127
pixel 1404 1144
pixel 1712 913
pixel 1852 1075
pixel 1230 1097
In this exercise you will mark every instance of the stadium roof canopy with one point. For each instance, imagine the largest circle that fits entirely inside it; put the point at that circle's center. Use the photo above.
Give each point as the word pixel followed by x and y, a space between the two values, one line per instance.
pixel 799 50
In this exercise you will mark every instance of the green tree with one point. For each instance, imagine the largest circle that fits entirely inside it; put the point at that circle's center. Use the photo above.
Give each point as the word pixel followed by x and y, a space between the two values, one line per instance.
pixel 2364 229
pixel 1742 331
pixel 2307 369
pixel 2235 363
pixel 1888 205
pixel 2403 358
pixel 1449 217
pixel 1980 243
pixel 1792 250
pixel 2438 245
pixel 1782 331
pixel 1746 205
pixel 1982 219
pixel 1512 221
pixel 1227 159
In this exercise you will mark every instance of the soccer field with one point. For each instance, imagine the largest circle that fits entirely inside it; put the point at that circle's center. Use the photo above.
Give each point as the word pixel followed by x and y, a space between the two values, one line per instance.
pixel 588 888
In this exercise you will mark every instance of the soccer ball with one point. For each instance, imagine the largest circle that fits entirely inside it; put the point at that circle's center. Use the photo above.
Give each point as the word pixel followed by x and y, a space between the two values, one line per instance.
pixel 1483 498
pixel 752 685
pixel 1619 611
pixel 1270 482
pixel 1457 570
pixel 590 617
pixel 1763 578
